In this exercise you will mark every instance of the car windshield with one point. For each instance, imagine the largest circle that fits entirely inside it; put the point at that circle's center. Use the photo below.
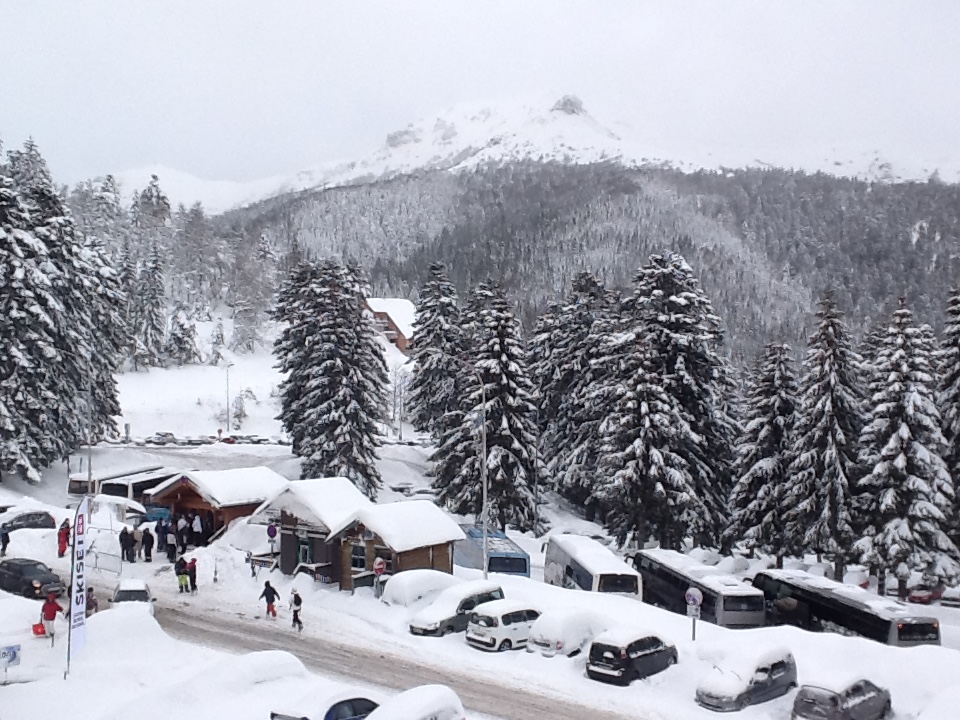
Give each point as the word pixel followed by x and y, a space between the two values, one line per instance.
pixel 743 604
pixel 131 595
pixel 918 632
pixel 605 654
pixel 516 565
pixel 32 569
pixel 618 584
pixel 483 620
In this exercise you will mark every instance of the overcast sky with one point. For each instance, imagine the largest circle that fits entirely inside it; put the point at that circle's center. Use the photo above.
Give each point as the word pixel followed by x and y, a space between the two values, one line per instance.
pixel 242 90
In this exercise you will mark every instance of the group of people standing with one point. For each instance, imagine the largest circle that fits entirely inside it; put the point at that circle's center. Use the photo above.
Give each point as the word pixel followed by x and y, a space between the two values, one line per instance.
pixel 137 544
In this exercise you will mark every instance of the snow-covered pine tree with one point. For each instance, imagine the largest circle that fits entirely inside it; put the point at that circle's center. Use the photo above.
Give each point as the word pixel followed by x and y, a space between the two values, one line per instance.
pixel 818 507
pixel 217 341
pixel 181 345
pixel 513 464
pixel 645 479
pixel 685 339
pixel 948 397
pixel 153 323
pixel 906 491
pixel 335 391
pixel 763 455
pixel 540 352
pixel 437 352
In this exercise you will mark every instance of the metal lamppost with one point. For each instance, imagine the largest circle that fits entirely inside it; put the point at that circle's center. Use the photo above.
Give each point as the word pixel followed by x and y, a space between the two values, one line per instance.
pixel 483 451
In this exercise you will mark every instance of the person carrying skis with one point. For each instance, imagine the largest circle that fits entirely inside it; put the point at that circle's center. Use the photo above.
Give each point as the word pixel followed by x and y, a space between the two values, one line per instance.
pixel 148 544
pixel 63 538
pixel 296 604
pixel 48 615
pixel 271 596
pixel 182 578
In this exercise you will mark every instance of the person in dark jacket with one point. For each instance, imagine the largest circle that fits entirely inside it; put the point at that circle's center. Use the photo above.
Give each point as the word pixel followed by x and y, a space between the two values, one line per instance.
pixel 271 596
pixel 183 580
pixel 147 545
pixel 124 552
pixel 161 530
pixel 4 541
pixel 192 574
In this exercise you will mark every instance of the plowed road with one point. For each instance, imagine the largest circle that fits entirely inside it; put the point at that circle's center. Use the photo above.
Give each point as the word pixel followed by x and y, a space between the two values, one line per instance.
pixel 378 668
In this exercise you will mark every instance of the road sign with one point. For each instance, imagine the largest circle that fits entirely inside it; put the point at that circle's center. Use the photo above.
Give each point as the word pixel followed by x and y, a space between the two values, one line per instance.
pixel 694 597
pixel 693 611
pixel 9 656
pixel 379 566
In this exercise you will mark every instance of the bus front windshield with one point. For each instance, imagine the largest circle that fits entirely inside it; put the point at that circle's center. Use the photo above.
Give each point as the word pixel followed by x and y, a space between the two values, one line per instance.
pixel 618 584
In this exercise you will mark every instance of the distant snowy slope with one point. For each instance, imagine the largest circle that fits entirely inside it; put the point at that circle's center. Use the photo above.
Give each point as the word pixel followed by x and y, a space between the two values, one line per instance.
pixel 540 129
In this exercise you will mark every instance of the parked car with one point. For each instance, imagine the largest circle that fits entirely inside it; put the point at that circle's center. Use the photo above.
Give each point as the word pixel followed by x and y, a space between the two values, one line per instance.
pixel 23 519
pixel 427 702
pixel 133 591
pixel 565 632
pixel 410 586
pixel 342 705
pixel 624 654
pixel 501 625
pixel 925 595
pixel 845 700
pixel 29 578
pixel 748 680
pixel 450 611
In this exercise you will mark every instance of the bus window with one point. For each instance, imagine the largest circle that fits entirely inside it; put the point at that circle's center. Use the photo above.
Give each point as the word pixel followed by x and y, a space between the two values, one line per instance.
pixel 743 603
pixel 500 564
pixel 618 584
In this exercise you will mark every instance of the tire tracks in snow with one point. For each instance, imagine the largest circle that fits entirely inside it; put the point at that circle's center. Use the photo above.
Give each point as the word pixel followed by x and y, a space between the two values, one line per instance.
pixel 368 666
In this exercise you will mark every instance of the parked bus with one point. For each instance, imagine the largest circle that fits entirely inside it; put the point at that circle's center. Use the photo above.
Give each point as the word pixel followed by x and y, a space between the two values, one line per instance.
pixel 503 554
pixel 83 484
pixel 815 603
pixel 578 562
pixel 727 601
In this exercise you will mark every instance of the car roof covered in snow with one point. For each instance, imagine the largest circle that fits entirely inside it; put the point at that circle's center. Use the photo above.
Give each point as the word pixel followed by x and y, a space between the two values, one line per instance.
pixel 131 584
pixel 496 608
pixel 401 311
pixel 705 575
pixel 405 525
pixel 333 501
pixel 732 675
pixel 418 703
pixel 622 635
pixel 445 604
pixel 227 488
pixel 595 557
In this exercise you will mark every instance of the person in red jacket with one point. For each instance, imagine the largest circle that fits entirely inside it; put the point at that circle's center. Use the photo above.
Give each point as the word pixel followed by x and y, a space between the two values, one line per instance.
pixel 63 538
pixel 49 614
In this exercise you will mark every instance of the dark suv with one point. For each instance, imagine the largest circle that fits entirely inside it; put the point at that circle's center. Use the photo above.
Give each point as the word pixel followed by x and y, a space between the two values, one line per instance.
pixel 29 578
pixel 623 655
pixel 30 520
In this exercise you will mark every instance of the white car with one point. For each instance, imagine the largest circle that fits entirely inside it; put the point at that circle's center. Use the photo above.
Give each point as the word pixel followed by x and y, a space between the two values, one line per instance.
pixel 348 704
pixel 410 586
pixel 427 702
pixel 133 591
pixel 501 625
pixel 566 632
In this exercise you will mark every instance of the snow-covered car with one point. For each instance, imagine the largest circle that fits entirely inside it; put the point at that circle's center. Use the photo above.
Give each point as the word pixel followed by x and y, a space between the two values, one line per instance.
pixel 950 597
pixel 410 586
pixel 26 519
pixel 341 705
pixel 427 702
pixel 565 632
pixel 748 679
pixel 501 625
pixel 923 595
pixel 133 591
pixel 450 611
pixel 624 654
pixel 839 699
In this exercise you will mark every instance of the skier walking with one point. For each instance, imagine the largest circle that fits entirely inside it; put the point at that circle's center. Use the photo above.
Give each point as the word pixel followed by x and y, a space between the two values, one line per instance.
pixel 63 538
pixel 48 616
pixel 183 580
pixel 192 574
pixel 271 596
pixel 296 604
pixel 148 544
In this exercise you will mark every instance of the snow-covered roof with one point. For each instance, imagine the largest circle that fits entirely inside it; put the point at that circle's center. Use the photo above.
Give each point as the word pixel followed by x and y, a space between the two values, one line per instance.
pixel 227 488
pixel 706 575
pixel 622 635
pixel 401 311
pixel 495 608
pixel 406 525
pixel 132 584
pixel 594 557
pixel 138 476
pixel 114 474
pixel 733 674
pixel 447 601
pixel 333 501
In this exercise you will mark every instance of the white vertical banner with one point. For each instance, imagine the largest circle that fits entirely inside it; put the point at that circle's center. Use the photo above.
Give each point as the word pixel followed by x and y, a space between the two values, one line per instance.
pixel 78 584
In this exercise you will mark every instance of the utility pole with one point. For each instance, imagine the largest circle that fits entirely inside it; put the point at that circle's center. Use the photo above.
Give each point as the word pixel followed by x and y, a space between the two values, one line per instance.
pixel 229 365
pixel 483 473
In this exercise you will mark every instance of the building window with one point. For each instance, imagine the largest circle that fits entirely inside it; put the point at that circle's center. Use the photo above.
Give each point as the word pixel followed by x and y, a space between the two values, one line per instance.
pixel 358 557
pixel 387 554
